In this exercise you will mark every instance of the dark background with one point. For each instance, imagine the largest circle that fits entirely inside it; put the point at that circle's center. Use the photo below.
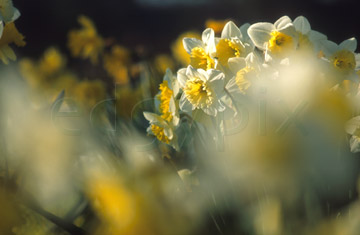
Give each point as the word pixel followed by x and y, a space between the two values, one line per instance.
pixel 154 24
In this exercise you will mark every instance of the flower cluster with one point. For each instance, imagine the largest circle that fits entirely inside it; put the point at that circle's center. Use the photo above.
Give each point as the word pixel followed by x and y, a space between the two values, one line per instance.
pixel 8 32
pixel 286 59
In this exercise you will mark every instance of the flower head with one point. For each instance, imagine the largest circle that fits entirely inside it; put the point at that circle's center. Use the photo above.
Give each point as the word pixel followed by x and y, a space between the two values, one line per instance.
pixel 278 38
pixel 163 130
pixel 10 35
pixel 85 42
pixel 201 90
pixel 202 52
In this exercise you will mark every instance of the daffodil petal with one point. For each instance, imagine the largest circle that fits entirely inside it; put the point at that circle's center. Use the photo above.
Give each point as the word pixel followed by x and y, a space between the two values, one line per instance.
pixel 282 22
pixel 349 44
pixel 260 33
pixel 230 31
pixel 302 25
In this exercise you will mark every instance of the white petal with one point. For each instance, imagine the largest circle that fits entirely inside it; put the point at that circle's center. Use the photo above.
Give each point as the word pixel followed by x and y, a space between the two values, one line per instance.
pixel 184 104
pixel 316 36
pixel 216 79
pixel 190 43
pixel 208 38
pixel 302 25
pixel 230 31
pixel 168 132
pixel 191 72
pixel 243 30
pixel 260 34
pixel 329 47
pixel 236 63
pixel 289 29
pixel 349 44
pixel 152 117
pixel 282 22
pixel 203 75
pixel 16 15
pixel 181 77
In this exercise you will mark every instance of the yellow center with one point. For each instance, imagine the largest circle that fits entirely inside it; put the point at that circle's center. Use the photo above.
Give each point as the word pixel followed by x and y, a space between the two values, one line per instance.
pixel 243 78
pixel 198 93
pixel 344 60
pixel 280 43
pixel 159 133
pixel 227 49
pixel 200 60
pixel 164 97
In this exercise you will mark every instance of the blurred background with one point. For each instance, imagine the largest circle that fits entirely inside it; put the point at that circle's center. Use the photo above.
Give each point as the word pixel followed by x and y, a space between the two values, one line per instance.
pixel 154 24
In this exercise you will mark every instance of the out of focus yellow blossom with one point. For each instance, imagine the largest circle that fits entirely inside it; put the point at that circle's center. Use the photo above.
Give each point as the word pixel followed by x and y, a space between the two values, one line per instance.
pixel 118 207
pixel 86 42
pixel 216 25
pixel 178 50
pixel 163 62
pixel 52 61
pixel 116 64
pixel 89 93
pixel 10 35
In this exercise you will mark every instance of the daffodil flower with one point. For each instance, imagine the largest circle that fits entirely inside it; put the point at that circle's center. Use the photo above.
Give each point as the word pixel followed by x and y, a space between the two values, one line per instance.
pixel 341 56
pixel 8 13
pixel 231 44
pixel 278 38
pixel 165 100
pixel 201 90
pixel 246 71
pixel 202 52
pixel 163 130
pixel 308 39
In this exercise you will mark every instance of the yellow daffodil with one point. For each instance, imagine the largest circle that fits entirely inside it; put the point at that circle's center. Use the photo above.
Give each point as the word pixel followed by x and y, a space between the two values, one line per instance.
pixel 116 64
pixel 10 35
pixel 86 42
pixel 89 93
pixel 52 61
pixel 163 62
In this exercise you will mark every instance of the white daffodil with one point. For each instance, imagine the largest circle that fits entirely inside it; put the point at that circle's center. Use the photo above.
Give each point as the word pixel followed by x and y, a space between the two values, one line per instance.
pixel 278 38
pixel 246 71
pixel 8 13
pixel 341 56
pixel 202 53
pixel 161 129
pixel 201 90
pixel 308 39
pixel 353 128
pixel 165 100
pixel 232 43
